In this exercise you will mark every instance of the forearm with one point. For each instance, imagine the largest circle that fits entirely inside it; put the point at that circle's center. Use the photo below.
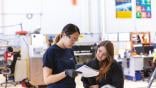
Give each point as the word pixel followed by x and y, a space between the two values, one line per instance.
pixel 154 59
pixel 54 78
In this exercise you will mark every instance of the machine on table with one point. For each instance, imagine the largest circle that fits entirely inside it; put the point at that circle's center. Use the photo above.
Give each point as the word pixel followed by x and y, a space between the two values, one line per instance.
pixel 137 67
pixel 84 52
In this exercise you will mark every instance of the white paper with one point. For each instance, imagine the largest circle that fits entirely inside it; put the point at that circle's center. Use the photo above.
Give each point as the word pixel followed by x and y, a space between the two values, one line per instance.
pixel 107 86
pixel 87 71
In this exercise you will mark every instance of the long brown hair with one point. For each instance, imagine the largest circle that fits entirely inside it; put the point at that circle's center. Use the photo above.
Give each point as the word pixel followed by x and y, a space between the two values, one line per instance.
pixel 106 63
pixel 68 30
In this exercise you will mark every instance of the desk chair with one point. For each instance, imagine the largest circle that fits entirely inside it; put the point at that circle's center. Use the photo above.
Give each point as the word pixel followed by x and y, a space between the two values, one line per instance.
pixel 9 69
pixel 6 72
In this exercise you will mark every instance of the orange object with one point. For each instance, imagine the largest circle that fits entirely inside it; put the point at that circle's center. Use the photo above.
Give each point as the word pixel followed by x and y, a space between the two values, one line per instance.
pixel 21 32
pixel 74 2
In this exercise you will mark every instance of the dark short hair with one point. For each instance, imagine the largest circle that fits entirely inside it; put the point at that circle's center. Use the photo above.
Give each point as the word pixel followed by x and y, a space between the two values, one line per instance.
pixel 9 49
pixel 69 29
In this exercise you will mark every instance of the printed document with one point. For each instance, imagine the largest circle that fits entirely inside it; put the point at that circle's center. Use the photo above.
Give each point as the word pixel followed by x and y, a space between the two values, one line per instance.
pixel 87 71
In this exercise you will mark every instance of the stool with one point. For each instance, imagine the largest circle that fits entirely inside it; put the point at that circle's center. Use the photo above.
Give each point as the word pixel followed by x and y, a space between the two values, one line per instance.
pixel 6 72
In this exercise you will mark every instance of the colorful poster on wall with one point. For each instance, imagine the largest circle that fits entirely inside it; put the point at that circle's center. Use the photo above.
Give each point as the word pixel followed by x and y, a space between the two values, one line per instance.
pixel 143 8
pixel 123 9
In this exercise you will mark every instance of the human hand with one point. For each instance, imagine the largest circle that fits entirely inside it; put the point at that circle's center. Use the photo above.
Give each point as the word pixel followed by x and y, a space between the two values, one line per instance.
pixel 71 73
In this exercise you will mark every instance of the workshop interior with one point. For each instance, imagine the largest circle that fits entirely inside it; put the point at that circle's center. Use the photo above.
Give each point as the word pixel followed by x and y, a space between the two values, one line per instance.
pixel 29 28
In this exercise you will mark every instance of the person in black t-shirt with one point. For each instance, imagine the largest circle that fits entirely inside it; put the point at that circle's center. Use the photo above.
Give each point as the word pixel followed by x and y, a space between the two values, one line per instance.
pixel 110 72
pixel 59 62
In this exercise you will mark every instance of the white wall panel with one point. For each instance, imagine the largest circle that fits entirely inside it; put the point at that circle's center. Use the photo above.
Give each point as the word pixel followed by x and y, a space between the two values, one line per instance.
pixel 128 25
pixel 22 6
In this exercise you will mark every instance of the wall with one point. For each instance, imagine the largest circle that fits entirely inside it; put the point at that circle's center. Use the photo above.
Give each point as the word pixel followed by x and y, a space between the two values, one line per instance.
pixel 15 12
pixel 1 18
pixel 127 25
pixel 60 12
pixel 49 15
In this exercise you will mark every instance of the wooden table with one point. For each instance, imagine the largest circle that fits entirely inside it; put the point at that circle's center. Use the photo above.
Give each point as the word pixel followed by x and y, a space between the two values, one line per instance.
pixel 36 74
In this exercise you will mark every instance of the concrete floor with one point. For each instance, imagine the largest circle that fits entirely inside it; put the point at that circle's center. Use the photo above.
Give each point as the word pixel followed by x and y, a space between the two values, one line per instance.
pixel 127 84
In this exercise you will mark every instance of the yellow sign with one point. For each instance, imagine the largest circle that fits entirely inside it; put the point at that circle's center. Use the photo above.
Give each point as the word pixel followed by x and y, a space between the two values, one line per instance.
pixel 123 14
pixel 123 9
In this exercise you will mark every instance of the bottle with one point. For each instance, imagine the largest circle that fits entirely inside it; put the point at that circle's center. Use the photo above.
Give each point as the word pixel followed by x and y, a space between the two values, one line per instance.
pixel 150 53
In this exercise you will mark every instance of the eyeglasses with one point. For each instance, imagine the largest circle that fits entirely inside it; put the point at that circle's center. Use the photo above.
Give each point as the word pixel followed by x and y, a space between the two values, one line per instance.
pixel 72 38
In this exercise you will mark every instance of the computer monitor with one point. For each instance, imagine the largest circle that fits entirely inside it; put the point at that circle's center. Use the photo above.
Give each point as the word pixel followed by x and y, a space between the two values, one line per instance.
pixel 148 49
pixel 144 49
pixel 139 50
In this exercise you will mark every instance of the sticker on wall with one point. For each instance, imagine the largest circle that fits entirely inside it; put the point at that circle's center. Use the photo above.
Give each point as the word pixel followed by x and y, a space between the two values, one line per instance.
pixel 143 8
pixel 123 9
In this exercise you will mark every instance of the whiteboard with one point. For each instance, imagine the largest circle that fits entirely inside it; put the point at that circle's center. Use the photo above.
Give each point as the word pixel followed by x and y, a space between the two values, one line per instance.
pixel 38 40
pixel 124 36
pixel 112 37
pixel 153 37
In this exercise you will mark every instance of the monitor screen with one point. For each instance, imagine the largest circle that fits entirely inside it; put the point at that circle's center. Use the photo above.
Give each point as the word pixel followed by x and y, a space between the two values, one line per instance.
pixel 139 50
pixel 143 49
pixel 147 49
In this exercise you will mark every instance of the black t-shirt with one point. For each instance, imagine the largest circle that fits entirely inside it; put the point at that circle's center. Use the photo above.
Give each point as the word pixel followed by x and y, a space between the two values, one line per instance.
pixel 58 60
pixel 113 77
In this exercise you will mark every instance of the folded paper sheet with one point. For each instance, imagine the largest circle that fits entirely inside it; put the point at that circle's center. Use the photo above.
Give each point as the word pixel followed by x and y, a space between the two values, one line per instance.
pixel 87 71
